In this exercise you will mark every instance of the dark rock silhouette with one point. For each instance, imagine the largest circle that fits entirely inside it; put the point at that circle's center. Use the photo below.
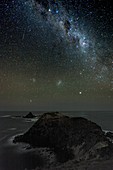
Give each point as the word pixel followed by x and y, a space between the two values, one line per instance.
pixel 69 137
pixel 110 135
pixel 29 115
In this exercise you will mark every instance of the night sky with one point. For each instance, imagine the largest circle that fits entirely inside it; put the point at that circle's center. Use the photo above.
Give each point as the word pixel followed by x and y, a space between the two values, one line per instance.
pixel 56 55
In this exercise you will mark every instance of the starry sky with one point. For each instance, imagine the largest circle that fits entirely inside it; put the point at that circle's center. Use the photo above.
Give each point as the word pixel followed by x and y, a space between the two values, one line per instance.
pixel 56 55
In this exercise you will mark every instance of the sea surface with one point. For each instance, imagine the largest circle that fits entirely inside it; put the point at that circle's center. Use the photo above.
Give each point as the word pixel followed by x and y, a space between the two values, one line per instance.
pixel 16 157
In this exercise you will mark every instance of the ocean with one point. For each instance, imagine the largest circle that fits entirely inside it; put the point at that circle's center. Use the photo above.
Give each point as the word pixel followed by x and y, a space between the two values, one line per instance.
pixel 14 156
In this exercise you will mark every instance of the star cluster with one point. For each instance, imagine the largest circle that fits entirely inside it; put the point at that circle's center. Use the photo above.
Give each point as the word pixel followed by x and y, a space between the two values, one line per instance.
pixel 56 54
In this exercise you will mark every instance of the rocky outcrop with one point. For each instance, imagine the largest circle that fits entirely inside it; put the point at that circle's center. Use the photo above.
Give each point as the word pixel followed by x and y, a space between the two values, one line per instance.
pixel 29 115
pixel 69 137
pixel 109 135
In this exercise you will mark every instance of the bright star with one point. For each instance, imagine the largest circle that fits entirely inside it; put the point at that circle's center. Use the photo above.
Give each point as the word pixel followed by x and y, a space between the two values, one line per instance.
pixel 80 92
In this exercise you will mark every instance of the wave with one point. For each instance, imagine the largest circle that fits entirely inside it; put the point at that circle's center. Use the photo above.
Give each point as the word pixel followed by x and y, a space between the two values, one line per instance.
pixel 5 116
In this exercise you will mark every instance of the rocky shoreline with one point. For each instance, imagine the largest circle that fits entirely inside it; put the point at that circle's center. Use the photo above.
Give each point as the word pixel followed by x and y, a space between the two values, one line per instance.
pixel 70 140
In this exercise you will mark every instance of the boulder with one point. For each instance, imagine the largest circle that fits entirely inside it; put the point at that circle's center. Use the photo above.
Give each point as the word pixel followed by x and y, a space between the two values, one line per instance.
pixel 29 115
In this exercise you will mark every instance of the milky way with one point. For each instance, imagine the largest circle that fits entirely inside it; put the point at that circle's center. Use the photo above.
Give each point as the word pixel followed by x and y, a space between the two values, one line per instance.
pixel 56 54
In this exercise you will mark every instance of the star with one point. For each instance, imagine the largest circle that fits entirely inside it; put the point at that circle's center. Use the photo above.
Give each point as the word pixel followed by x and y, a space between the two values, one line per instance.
pixel 30 101
pixel 80 92
pixel 33 80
